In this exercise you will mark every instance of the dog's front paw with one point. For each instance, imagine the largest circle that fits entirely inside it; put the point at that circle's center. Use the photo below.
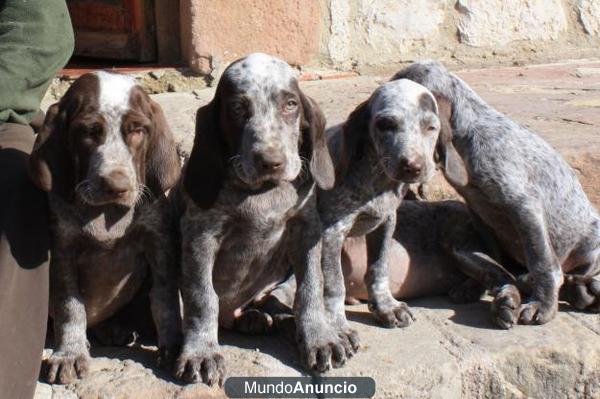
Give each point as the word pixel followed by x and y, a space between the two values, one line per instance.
pixel 65 367
pixel 350 339
pixel 537 312
pixel 201 366
pixel 505 307
pixel 391 313
pixel 322 348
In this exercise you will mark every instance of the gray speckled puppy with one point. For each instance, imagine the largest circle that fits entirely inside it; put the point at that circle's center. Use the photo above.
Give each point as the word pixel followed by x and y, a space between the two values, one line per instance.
pixel 522 191
pixel 387 143
pixel 248 197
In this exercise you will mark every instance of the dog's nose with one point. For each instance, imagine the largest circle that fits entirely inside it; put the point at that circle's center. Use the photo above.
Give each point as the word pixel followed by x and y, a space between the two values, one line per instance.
pixel 116 183
pixel 411 167
pixel 269 161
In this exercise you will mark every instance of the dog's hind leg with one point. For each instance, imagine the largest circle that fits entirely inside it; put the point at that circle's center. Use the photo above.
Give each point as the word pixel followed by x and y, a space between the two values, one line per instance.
pixel 467 291
pixel 495 278
pixel 582 292
pixel 465 244
pixel 269 313
pixel 581 288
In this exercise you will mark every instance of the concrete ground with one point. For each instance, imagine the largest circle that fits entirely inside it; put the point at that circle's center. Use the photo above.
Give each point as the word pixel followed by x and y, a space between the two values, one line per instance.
pixel 451 351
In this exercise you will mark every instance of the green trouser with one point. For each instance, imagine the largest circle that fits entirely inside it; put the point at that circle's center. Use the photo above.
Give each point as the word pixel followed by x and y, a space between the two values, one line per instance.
pixel 36 39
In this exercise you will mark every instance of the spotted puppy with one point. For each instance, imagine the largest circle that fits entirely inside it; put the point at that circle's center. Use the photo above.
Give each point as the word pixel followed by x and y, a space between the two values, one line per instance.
pixel 248 197
pixel 524 194
pixel 105 155
pixel 386 143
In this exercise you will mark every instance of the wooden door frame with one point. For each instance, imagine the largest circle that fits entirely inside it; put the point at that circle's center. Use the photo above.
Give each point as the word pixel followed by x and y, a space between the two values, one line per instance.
pixel 168 37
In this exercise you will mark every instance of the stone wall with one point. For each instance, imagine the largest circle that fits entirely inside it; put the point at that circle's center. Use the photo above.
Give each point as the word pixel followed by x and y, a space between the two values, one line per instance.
pixel 381 35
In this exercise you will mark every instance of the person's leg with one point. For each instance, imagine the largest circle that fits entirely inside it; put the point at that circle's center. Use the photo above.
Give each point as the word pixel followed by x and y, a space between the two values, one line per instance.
pixel 24 245
pixel 36 39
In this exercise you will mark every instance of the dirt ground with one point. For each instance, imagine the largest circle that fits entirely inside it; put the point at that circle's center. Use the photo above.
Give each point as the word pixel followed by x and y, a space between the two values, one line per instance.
pixel 451 351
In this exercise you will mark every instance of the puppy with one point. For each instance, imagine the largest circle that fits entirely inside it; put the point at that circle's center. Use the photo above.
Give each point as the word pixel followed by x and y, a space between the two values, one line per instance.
pixel 105 155
pixel 523 193
pixel 248 198
pixel 386 143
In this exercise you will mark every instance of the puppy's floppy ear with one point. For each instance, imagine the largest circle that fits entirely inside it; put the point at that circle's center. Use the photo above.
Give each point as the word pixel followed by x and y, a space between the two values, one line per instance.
pixel 428 102
pixel 205 171
pixel 354 132
pixel 50 166
pixel 162 161
pixel 313 132
pixel 447 156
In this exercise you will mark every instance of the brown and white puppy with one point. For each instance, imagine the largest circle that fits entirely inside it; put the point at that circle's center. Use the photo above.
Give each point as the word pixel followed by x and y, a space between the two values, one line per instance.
pixel 247 198
pixel 386 143
pixel 105 155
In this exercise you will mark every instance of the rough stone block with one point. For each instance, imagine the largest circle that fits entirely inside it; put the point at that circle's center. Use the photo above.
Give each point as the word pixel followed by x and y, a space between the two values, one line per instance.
pixel 485 23
pixel 379 31
pixel 589 15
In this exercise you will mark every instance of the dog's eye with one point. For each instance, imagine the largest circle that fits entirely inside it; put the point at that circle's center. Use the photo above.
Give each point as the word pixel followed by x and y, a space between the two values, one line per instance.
pixel 386 124
pixel 240 110
pixel 94 131
pixel 135 135
pixel 291 105
pixel 90 135
pixel 431 128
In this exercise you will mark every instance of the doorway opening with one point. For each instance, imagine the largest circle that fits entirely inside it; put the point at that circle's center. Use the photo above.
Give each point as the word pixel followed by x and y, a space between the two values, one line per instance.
pixel 125 34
